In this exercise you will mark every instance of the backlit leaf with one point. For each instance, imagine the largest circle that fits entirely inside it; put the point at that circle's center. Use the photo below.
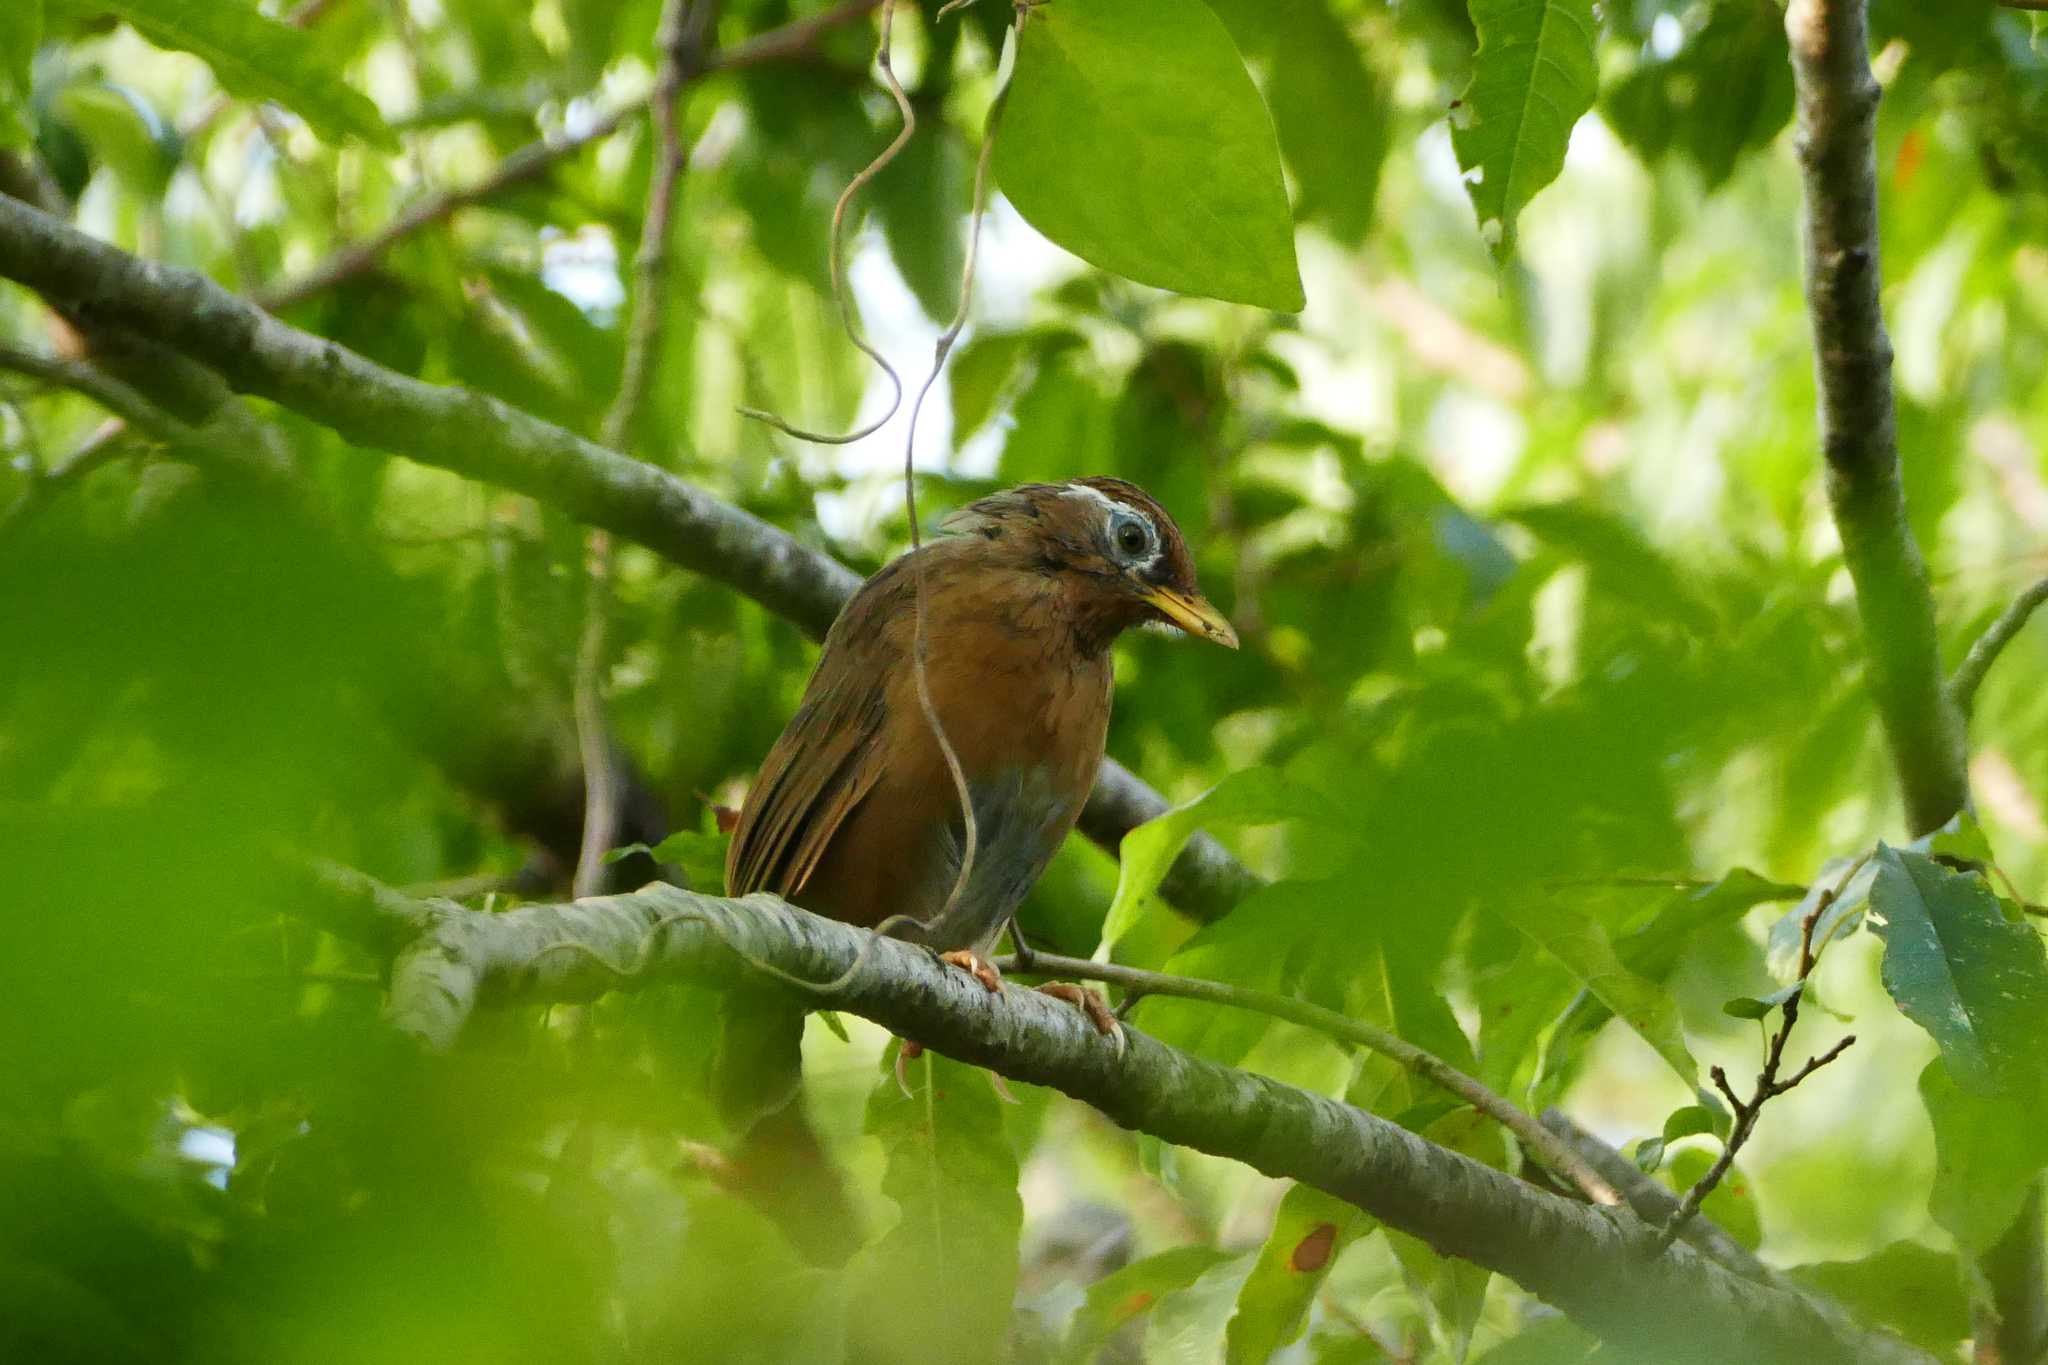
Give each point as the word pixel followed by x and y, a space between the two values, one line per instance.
pixel 1135 139
pixel 1534 75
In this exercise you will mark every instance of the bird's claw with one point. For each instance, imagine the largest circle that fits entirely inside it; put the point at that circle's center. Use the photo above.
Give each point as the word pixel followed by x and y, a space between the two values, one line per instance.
pixel 976 966
pixel 1090 1004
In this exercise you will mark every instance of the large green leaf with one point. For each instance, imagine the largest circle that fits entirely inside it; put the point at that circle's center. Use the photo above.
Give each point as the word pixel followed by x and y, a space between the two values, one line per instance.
pixel 1309 1229
pixel 21 32
pixel 1987 1150
pixel 254 57
pixel 1582 945
pixel 953 1176
pixel 1534 75
pixel 1329 106
pixel 1960 969
pixel 1135 139
pixel 1252 796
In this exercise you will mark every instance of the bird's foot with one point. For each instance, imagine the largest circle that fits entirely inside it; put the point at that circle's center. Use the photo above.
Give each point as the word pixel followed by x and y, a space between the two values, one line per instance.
pixel 1090 1004
pixel 977 966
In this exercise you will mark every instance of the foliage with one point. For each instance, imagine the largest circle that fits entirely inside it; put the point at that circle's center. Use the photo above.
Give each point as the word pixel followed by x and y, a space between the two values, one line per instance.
pixel 1512 492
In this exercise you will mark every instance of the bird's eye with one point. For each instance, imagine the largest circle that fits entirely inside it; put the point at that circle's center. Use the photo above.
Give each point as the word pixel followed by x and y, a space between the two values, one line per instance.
pixel 1131 538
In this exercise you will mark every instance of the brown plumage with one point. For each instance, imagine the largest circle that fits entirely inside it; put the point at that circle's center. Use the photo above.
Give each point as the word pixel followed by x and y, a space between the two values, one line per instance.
pixel 854 815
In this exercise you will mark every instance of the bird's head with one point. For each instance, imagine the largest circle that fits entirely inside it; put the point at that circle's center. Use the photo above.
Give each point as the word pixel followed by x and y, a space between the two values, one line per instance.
pixel 1118 548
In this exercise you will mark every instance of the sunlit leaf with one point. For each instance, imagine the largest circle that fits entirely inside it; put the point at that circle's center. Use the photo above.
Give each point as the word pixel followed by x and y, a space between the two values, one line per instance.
pixel 1251 796
pixel 1135 139
pixel 1189 1323
pixel 1534 75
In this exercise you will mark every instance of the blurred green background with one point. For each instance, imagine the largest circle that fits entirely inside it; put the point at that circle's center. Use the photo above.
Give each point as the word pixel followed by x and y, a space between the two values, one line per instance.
pixel 1533 567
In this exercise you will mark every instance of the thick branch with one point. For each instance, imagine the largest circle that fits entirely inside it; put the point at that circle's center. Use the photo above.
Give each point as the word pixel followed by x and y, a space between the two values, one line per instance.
pixel 1594 1264
pixel 1837 98
pixel 478 436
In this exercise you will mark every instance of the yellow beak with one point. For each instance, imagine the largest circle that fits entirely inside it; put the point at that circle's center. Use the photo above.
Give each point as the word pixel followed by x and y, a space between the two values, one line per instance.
pixel 1193 615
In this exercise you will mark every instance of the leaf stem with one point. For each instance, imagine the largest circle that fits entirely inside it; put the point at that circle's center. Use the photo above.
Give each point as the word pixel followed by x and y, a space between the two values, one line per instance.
pixel 1553 1151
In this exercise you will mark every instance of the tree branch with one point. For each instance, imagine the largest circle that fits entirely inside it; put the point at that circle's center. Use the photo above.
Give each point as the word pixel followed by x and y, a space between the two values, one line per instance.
pixel 1984 651
pixel 1837 101
pixel 1598 1265
pixel 471 434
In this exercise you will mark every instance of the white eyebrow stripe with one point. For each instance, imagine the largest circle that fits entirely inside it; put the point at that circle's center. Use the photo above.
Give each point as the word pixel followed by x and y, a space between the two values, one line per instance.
pixel 1082 490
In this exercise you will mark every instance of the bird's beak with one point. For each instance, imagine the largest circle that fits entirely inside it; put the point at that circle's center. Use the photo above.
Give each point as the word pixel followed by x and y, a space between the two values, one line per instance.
pixel 1192 614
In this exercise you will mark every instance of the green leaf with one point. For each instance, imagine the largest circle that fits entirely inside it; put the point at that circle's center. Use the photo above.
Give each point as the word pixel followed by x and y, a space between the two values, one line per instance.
pixel 952 1173
pixel 1649 1155
pixel 979 374
pixel 1987 1151
pixel 700 855
pixel 1582 945
pixel 1731 1203
pixel 1691 1120
pixel 21 33
pixel 1835 922
pixel 125 134
pixel 1118 1297
pixel 1960 969
pixel 1329 107
pixel 1760 1007
pixel 1252 796
pixel 1533 76
pixel 1135 139
pixel 255 58
pixel 1912 1289
pixel 1310 1228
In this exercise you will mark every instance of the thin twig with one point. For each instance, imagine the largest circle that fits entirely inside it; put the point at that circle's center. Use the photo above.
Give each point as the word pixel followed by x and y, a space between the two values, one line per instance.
pixel 1963 683
pixel 684 30
pixel 535 159
pixel 1768 1084
pixel 1548 1148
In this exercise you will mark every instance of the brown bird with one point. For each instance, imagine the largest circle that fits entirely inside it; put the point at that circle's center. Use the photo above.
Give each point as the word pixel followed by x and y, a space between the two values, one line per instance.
pixel 854 814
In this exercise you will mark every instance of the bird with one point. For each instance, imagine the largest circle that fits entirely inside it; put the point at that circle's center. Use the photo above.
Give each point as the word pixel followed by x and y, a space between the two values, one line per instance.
pixel 854 813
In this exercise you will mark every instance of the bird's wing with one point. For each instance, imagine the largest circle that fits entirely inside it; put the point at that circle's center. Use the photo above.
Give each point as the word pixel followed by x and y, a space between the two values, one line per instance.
pixel 828 758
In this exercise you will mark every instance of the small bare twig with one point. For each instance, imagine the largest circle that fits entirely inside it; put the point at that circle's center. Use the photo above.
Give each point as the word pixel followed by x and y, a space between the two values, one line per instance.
pixel 1768 1083
pixel 1963 683
pixel 684 31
